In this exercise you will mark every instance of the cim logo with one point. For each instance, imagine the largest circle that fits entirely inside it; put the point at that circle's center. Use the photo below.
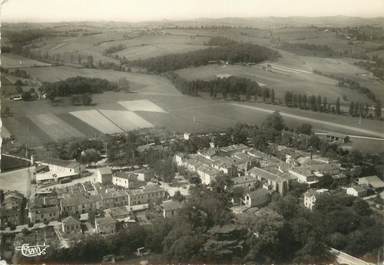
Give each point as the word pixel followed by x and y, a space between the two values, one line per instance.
pixel 32 250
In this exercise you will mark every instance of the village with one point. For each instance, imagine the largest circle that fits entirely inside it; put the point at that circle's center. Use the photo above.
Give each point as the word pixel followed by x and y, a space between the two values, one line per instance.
pixel 69 201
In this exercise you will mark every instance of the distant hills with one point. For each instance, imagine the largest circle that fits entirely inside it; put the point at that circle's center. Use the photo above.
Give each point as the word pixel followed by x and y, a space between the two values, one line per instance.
pixel 258 22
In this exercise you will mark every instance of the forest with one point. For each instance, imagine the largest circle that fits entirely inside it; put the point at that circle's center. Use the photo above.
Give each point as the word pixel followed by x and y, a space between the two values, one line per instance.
pixel 77 85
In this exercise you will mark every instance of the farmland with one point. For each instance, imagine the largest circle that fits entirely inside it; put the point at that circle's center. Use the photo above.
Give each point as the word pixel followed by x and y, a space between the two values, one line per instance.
pixel 152 100
pixel 278 78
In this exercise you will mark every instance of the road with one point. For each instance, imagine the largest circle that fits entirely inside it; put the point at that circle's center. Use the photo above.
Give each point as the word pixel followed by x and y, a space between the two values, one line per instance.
pixel 320 122
pixel 344 258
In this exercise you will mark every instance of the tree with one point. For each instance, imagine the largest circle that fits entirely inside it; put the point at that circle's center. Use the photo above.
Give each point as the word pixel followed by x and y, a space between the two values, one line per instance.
pixel 272 95
pixel 274 121
pixel 352 108
pixel 338 111
pixel 89 155
pixel 86 99
pixel 378 109
pixel 305 128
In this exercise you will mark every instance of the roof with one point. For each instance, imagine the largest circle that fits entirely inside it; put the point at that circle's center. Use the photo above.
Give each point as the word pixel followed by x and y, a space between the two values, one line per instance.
pixel 259 196
pixel 267 174
pixel 70 221
pixel 118 212
pixel 373 181
pixel 105 170
pixel 312 192
pixel 359 188
pixel 105 220
pixel 59 162
pixel 172 205
pixel 126 175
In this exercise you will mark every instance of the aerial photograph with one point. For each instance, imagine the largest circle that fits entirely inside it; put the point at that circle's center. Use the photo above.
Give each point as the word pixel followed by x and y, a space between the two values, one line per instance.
pixel 192 132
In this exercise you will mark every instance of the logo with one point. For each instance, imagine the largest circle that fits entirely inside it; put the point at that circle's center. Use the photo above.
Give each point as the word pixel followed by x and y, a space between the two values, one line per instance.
pixel 33 251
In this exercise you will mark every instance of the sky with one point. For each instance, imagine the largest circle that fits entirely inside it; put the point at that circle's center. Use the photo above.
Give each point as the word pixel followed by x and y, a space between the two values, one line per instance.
pixel 144 10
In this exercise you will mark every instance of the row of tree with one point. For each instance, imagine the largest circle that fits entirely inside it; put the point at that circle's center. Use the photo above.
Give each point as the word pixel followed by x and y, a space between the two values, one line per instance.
pixel 313 102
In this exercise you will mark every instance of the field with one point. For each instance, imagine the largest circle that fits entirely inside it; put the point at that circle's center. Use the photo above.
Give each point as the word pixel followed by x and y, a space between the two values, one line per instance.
pixel 126 120
pixel 98 121
pixel 56 128
pixel 16 61
pixel 152 100
pixel 17 180
pixel 141 105
pixel 280 78
pixel 152 45
pixel 142 82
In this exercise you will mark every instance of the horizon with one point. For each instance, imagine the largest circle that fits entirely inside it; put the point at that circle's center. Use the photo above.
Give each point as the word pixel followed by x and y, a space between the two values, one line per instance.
pixel 134 11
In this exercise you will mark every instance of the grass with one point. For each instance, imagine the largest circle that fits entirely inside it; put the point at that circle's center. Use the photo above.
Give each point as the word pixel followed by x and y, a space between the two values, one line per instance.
pixel 126 120
pixel 55 127
pixel 141 105
pixel 95 119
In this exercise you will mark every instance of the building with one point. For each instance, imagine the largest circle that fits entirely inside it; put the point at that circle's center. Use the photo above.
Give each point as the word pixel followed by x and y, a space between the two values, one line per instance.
pixel 186 136
pixel 44 208
pixel 311 196
pixel 114 198
pixel 124 179
pixel 373 182
pixel 121 214
pixel 171 208
pixel 59 171
pixel 104 175
pixel 311 173
pixel 105 225
pixel 70 225
pixel 12 209
pixel 246 182
pixel 258 198
pixel 276 181
pixel 357 190
pixel 78 203
pixel 145 195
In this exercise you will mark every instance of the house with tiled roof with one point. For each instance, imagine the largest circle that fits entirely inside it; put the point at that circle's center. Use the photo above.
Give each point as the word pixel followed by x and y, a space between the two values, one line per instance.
pixel 146 194
pixel 274 181
pixel 125 179
pixel 104 175
pixel 70 225
pixel 358 190
pixel 105 225
pixel 258 198
pixel 78 203
pixel 44 208
pixel 373 182
pixel 171 208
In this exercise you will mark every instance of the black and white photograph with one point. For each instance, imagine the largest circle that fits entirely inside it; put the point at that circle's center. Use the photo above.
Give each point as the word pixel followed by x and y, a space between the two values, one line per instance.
pixel 175 132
